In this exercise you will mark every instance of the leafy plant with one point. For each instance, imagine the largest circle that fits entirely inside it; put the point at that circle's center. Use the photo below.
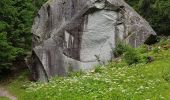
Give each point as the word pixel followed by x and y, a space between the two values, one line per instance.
pixel 120 49
pixel 131 56
pixel 98 69
pixel 166 75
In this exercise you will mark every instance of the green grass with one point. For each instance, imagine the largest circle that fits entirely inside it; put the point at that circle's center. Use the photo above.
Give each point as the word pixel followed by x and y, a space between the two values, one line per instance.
pixel 3 98
pixel 114 81
pixel 17 85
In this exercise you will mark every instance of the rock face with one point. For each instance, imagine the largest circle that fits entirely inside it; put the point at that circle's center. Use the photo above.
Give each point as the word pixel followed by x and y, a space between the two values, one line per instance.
pixel 71 35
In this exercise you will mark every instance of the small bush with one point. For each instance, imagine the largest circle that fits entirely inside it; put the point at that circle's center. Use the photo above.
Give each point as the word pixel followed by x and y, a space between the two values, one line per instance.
pixel 142 49
pixel 131 56
pixel 166 76
pixel 156 50
pixel 120 49
pixel 98 69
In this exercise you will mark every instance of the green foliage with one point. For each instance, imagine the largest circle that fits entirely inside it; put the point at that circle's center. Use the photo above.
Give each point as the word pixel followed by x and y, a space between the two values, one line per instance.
pixel 98 69
pixel 131 56
pixel 16 85
pixel 164 41
pixel 4 98
pixel 166 76
pixel 79 73
pixel 7 52
pixel 120 49
pixel 138 82
pixel 16 17
pixel 154 11
pixel 116 81
pixel 144 7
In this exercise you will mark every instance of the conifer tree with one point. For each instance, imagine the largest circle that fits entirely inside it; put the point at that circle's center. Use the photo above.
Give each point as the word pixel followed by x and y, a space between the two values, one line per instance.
pixel 16 17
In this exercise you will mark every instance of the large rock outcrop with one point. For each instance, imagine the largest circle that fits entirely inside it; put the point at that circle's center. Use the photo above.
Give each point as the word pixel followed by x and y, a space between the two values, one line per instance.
pixel 71 35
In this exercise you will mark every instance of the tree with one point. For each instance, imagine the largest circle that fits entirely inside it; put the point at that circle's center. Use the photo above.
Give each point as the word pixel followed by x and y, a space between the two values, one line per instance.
pixel 7 51
pixel 16 17
pixel 156 12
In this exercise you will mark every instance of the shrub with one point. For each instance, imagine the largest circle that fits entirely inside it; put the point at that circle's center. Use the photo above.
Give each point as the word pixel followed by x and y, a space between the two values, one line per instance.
pixel 142 49
pixel 98 69
pixel 131 56
pixel 166 76
pixel 120 49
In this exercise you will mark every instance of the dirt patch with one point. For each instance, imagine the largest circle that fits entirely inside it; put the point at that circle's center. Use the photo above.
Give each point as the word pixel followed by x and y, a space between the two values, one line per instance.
pixel 5 93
